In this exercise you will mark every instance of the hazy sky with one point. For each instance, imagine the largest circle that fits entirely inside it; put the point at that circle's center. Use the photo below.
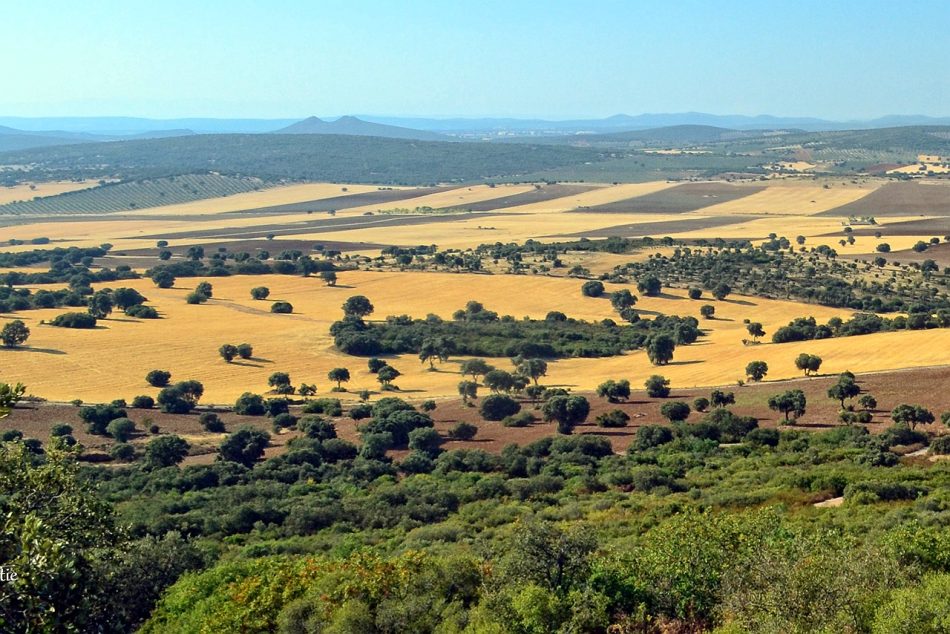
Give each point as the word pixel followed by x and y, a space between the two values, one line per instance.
pixel 292 58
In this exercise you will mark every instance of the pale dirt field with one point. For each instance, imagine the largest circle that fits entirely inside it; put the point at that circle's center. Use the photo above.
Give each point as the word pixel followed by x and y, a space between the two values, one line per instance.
pixel 266 197
pixel 936 168
pixel 797 166
pixel 792 197
pixel 23 192
pixel 111 361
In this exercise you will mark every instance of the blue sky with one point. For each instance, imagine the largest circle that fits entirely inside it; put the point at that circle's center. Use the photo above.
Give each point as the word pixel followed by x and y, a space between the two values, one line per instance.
pixel 289 58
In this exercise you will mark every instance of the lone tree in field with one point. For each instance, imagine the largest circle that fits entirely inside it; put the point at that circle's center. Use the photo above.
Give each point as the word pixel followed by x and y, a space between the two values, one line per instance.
pixel 158 378
pixel 657 386
pixel 329 277
pixel 912 415
pixel 434 349
pixel 125 298
pixel 358 307
pixel 660 349
pixel 756 370
pixel 614 391
pixel 675 411
pixel 280 383
pixel 721 399
pixel 163 278
pixel 282 307
pixel 340 376
pixel 244 446
pixel 498 406
pixel 499 381
pixel 387 375
pixel 101 304
pixel 567 411
pixel 808 363
pixel 195 253
pixel 375 365
pixel 245 350
pixel 695 293
pixel 260 292
pixel 181 397
pixel 844 389
pixel 755 329
pixel 165 451
pixel 650 286
pixel 475 368
pixel 868 402
pixel 205 289
pixel 533 369
pixel 467 390
pixel 791 402
pixel 707 311
pixel 14 333
pixel 228 352
pixel 592 288
pixel 721 291
pixel 622 299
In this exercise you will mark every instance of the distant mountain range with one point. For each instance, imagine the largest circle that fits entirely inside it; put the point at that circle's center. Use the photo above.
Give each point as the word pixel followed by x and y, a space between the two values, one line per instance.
pixel 15 139
pixel 126 126
pixel 357 127
pixel 17 133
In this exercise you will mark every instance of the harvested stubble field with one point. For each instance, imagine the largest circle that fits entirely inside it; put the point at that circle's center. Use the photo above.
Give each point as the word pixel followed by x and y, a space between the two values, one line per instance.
pixel 62 364
pixel 793 197
pixel 29 191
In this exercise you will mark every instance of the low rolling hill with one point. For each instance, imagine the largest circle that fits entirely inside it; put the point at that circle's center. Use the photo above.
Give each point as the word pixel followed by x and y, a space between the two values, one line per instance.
pixel 358 127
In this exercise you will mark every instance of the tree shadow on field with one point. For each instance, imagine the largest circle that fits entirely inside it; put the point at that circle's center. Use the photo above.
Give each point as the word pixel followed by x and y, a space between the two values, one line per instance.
pixel 667 296
pixel 684 362
pixel 125 321
pixel 740 302
pixel 652 313
pixel 247 364
pixel 32 349
pixel 341 286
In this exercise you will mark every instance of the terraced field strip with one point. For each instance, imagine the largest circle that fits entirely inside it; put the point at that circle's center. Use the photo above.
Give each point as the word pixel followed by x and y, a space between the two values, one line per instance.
pixel 659 229
pixel 265 198
pixel 455 198
pixel 791 198
pixel 476 229
pixel 900 199
pixel 592 198
pixel 678 199
pixel 62 364
pixel 340 197
pixel 532 195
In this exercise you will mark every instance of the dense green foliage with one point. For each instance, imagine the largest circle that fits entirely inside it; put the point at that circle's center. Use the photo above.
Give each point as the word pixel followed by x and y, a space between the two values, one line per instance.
pixel 323 157
pixel 480 332
pixel 556 535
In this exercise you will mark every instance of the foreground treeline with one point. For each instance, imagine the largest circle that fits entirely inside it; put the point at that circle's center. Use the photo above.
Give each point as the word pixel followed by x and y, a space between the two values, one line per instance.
pixel 685 533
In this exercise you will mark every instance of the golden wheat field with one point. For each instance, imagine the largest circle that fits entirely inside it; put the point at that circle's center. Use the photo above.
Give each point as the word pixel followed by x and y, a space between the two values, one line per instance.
pixel 792 197
pixel 112 360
